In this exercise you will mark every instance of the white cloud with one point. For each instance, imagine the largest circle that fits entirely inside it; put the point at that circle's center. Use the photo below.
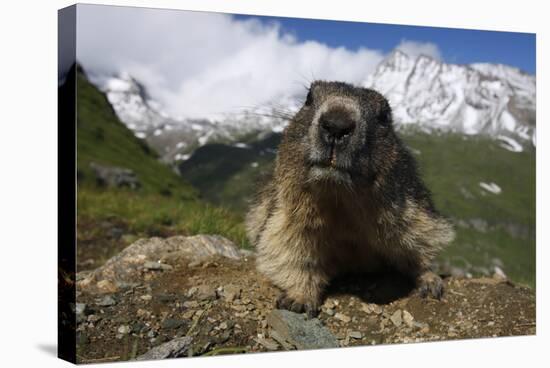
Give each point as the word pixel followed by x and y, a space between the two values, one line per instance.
pixel 415 49
pixel 200 64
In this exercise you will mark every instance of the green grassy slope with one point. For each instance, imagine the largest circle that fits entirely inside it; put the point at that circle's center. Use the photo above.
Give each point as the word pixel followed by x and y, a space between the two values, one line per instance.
pixel 164 205
pixel 452 165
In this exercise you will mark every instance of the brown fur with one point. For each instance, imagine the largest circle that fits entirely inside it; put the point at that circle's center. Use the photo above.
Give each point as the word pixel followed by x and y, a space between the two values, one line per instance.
pixel 308 231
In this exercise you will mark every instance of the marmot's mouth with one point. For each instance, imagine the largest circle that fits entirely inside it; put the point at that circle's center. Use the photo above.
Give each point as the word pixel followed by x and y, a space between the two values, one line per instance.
pixel 332 155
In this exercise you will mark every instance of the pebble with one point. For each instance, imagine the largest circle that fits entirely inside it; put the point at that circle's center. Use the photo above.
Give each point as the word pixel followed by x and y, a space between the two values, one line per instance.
pixel 106 301
pixel 355 335
pixel 156 266
pixel 342 317
pixel 106 286
pixel 93 318
pixel 191 304
pixel 268 343
pixel 231 292
pixel 80 308
pixel 205 292
pixel 172 323
pixel 124 330
pixel 146 297
pixel 408 318
pixel 396 318
pixel 330 312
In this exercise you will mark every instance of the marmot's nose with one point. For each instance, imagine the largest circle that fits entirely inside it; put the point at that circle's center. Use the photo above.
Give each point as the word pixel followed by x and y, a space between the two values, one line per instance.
pixel 336 126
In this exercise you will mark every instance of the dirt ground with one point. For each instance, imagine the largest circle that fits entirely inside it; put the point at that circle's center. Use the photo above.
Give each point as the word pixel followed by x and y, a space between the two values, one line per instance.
pixel 223 304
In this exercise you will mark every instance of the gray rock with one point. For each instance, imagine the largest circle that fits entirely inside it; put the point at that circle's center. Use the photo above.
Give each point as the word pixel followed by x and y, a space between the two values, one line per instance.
pixel 106 301
pixel 269 344
pixel 231 292
pixel 301 332
pixel 172 323
pixel 156 266
pixel 205 292
pixel 178 347
pixel 80 309
pixel 115 177
pixel 342 317
pixel 355 335
pixel 124 330
pixel 127 266
pixel 396 318
pixel 277 337
pixel 408 318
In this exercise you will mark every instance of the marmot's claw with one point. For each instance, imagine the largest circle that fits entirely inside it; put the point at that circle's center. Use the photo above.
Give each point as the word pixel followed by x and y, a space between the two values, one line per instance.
pixel 430 284
pixel 309 308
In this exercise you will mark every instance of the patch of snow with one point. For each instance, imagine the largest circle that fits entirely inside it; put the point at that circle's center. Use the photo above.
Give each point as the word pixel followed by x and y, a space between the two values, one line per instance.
pixel 197 127
pixel 182 157
pixel 254 164
pixel 157 132
pixel 180 145
pixel 509 143
pixel 491 187
pixel 140 135
pixel 241 145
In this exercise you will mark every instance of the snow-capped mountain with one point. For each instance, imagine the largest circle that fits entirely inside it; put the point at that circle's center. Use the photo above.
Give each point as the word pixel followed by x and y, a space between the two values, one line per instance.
pixel 473 99
pixel 174 138
pixel 481 98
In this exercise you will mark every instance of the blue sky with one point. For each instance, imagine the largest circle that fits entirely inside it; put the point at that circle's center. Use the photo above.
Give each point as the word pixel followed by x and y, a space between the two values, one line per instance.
pixel 459 46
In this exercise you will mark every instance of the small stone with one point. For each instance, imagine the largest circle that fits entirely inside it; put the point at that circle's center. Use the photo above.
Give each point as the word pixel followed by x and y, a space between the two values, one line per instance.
pixel 124 330
pixel 277 337
pixel 191 304
pixel 106 301
pixel 330 312
pixel 268 343
pixel 355 335
pixel 299 331
pixel 408 318
pixel 342 317
pixel 376 309
pixel 156 266
pixel 192 291
pixel 106 286
pixel 223 326
pixel 396 318
pixel 178 347
pixel 138 327
pixel 151 334
pixel 143 313
pixel 146 297
pixel 93 318
pixel 80 308
pixel 189 314
pixel 231 292
pixel 172 323
pixel 367 308
pixel 329 304
pixel 205 292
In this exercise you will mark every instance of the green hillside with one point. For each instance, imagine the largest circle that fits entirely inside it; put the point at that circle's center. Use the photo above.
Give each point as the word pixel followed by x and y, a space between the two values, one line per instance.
pixel 491 228
pixel 165 204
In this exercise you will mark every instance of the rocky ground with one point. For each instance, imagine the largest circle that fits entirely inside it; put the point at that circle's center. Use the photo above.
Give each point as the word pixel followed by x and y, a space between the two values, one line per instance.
pixel 200 295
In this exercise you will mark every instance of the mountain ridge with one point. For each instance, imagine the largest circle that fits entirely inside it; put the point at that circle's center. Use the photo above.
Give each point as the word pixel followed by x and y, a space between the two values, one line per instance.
pixel 425 94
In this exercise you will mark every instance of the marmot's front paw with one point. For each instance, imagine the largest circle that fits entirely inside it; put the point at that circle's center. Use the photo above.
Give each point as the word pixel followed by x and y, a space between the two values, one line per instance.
pixel 310 308
pixel 430 284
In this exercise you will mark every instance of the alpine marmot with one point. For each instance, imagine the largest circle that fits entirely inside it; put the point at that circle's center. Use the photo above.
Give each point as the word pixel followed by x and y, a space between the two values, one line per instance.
pixel 345 196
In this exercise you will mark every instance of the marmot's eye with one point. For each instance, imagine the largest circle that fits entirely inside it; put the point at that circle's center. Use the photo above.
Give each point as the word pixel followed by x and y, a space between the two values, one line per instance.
pixel 309 98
